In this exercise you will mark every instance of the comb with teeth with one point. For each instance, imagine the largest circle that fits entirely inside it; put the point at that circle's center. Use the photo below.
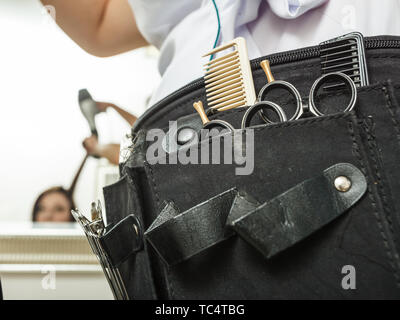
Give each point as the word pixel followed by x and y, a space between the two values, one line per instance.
pixel 228 79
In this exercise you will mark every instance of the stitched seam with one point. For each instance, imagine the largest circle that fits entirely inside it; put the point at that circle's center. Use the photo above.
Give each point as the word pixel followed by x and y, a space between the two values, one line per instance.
pixel 377 215
pixel 307 66
pixel 384 57
pixel 392 112
pixel 371 196
pixel 107 200
pixel 389 107
pixel 107 205
pixel 396 125
pixel 384 196
pixel 295 123
pixel 168 275
pixel 303 122
pixel 171 287
pixel 387 213
pixel 371 146
pixel 154 185
pixel 149 270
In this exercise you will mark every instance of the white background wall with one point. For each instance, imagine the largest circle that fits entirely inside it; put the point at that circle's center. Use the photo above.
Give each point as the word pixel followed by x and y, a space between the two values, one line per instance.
pixel 41 127
pixel 28 285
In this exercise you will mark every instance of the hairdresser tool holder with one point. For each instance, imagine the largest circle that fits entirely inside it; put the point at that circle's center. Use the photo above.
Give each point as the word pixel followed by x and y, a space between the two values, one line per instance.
pixel 317 195
pixel 303 221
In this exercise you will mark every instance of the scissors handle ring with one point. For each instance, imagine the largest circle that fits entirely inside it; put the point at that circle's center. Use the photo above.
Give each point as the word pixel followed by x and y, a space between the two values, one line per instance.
pixel 333 75
pixel 218 123
pixel 250 112
pixel 287 86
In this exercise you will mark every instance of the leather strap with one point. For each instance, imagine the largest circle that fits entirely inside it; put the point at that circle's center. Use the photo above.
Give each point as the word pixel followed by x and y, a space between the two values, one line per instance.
pixel 123 240
pixel 297 213
pixel 178 236
pixel 271 227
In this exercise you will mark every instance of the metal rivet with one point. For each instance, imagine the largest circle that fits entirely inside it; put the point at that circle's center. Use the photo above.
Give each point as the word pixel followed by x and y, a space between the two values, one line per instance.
pixel 342 184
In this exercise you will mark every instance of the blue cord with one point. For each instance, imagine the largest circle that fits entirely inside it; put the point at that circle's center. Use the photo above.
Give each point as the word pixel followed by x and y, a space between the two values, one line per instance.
pixel 219 28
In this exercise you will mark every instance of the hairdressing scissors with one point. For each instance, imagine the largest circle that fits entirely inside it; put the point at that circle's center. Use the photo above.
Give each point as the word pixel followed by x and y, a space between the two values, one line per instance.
pixel 311 107
pixel 261 104
pixel 251 111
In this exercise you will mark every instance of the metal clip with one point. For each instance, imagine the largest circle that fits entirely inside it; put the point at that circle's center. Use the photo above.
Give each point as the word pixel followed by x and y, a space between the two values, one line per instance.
pixel 93 231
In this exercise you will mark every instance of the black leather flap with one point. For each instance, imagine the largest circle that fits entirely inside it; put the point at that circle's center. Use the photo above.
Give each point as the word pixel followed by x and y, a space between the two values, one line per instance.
pixel 123 240
pixel 178 236
pixel 295 214
pixel 270 227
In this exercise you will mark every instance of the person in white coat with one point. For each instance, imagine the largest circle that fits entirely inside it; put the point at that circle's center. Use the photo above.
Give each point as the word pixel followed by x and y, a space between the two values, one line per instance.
pixel 184 30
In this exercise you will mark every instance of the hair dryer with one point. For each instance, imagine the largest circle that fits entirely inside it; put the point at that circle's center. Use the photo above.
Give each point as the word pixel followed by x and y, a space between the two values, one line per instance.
pixel 89 109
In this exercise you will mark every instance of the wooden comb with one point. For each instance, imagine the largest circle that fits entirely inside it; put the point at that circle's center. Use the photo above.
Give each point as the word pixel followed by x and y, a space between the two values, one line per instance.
pixel 228 79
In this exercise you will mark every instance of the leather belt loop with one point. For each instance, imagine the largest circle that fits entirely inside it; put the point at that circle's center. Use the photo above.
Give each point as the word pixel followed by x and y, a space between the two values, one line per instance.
pixel 123 240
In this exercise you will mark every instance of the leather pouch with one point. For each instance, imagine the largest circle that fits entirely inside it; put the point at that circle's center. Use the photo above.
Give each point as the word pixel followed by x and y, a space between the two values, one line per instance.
pixel 285 155
pixel 123 199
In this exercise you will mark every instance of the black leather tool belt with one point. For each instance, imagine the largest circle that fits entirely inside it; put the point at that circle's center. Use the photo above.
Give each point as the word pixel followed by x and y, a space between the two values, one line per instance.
pixel 318 216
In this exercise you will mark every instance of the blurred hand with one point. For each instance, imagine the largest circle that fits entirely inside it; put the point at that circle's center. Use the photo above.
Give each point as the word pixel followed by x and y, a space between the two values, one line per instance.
pixel 102 106
pixel 91 145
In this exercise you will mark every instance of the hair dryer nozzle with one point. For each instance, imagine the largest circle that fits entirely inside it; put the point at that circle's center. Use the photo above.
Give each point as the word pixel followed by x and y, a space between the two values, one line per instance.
pixel 84 94
pixel 88 108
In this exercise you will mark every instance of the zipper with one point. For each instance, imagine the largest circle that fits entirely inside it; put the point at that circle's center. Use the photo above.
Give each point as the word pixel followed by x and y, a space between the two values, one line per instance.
pixel 313 52
pixel 377 42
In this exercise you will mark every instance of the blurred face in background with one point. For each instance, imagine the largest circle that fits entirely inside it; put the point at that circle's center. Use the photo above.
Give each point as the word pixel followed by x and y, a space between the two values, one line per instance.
pixel 53 207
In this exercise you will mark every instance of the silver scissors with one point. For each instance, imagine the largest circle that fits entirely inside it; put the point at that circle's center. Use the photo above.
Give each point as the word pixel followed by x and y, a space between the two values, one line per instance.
pixel 301 108
pixel 93 230
pixel 262 105
pixel 251 111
